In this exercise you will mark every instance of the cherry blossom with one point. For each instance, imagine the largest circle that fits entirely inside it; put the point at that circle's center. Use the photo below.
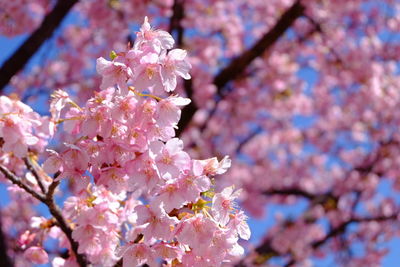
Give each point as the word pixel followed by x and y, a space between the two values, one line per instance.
pixel 222 204
pixel 298 97
pixel 36 255
pixel 137 196
pixel 174 64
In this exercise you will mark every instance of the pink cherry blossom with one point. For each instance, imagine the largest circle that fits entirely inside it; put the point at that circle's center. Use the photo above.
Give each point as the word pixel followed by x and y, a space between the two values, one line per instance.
pixel 169 113
pixel 147 74
pixel 60 99
pixel 159 224
pixel 305 109
pixel 138 254
pixel 36 255
pixel 134 194
pixel 53 163
pixel 213 167
pixel 238 223
pixel 170 158
pixel 155 39
pixel 113 73
pixel 174 64
pixel 196 231
pixel 222 204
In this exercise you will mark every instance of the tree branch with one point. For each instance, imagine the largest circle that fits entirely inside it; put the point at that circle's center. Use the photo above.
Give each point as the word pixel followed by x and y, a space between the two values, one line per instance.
pixel 48 199
pixel 364 168
pixel 253 134
pixel 175 26
pixel 20 57
pixel 57 214
pixel 4 259
pixel 30 165
pixel 343 226
pixel 17 181
pixel 239 64
pixel 266 249
pixel 290 192
pixel 175 21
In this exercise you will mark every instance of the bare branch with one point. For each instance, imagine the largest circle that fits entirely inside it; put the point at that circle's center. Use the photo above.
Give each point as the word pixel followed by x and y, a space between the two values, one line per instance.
pixel 290 192
pixel 31 167
pixel 18 181
pixel 57 214
pixel 239 64
pixel 53 208
pixel 52 189
pixel 175 21
pixel 20 57
pixel 4 259
pixel 266 248
pixel 253 134
pixel 343 227
pixel 175 26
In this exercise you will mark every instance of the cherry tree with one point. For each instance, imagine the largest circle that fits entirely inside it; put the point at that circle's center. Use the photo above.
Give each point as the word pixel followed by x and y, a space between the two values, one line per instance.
pixel 136 196
pixel 301 95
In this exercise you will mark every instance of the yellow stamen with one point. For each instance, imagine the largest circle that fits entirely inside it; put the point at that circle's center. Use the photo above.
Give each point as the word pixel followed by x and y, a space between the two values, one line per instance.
pixel 68 119
pixel 132 89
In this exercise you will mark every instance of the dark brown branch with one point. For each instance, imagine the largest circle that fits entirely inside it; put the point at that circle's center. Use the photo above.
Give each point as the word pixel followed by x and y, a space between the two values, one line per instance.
pixel 326 199
pixel 318 28
pixel 31 167
pixel 4 259
pixel 189 110
pixel 20 57
pixel 266 248
pixel 253 134
pixel 176 27
pixel 289 192
pixel 343 226
pixel 52 189
pixel 239 64
pixel 57 214
pixel 175 21
pixel 48 199
pixel 17 181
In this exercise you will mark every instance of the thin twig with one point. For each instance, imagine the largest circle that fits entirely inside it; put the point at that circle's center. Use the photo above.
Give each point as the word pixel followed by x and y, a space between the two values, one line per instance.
pixel 30 165
pixel 48 199
pixel 57 214
pixel 18 181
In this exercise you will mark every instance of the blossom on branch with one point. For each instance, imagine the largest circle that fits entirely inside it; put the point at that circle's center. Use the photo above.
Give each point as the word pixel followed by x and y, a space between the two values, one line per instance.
pixel 137 196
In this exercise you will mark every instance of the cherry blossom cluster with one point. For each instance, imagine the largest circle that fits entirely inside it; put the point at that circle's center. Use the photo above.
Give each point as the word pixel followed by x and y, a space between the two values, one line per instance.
pixel 22 129
pixel 21 16
pixel 137 195
pixel 309 123
pixel 148 66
